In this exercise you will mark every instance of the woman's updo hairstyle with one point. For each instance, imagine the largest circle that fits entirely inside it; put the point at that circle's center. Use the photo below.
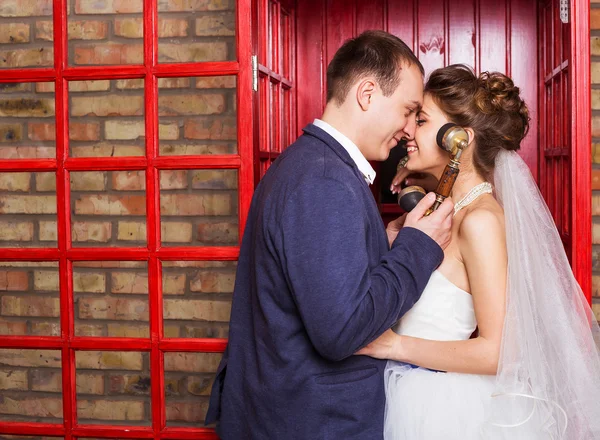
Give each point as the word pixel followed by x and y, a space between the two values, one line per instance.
pixel 490 105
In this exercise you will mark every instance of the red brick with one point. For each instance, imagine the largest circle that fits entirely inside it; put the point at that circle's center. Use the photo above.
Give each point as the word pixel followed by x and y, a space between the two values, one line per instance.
pixel 216 25
pixel 25 8
pixel 216 82
pixel 193 5
pixel 13 327
pixel 109 53
pixel 113 309
pixel 110 410
pixel 89 86
pixel 84 131
pixel 108 360
pixel 88 181
pixel 129 384
pixel 197 104
pixel 14 33
pixel 26 107
pixel 91 232
pixel 174 284
pixel 195 204
pixel 214 179
pixel 87 30
pixel 123 330
pixel 15 58
pixel 173 179
pixel 110 205
pixel 41 131
pixel 595 19
pixel 221 129
pixel 129 282
pixel 11 133
pixel 192 52
pixel 31 406
pixel 108 7
pixel 176 232
pixel 30 306
pixel 14 380
pixel 46 380
pixel 200 310
pixel 13 280
pixel 15 182
pixel 186 411
pixel 131 231
pixel 223 233
pixel 129 180
pixel 213 282
pixel 28 204
pixel 90 384
pixel 192 362
pixel 196 150
pixel 113 105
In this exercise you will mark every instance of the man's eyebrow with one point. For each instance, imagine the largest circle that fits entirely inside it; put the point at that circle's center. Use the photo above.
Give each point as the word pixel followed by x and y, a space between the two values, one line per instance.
pixel 417 105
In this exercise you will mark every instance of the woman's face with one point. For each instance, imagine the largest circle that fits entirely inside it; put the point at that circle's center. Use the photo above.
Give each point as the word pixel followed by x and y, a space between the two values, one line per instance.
pixel 423 152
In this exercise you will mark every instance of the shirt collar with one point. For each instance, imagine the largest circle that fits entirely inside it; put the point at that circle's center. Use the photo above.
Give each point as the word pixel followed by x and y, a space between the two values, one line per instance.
pixel 361 162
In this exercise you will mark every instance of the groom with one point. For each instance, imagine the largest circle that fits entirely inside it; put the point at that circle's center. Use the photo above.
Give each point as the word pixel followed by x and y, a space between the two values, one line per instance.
pixel 318 277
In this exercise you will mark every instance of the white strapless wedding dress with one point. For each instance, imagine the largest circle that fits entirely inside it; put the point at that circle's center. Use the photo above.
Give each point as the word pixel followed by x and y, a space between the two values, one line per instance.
pixel 426 405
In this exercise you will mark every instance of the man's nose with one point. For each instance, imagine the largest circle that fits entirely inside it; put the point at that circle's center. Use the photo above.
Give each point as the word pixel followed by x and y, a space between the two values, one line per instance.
pixel 411 127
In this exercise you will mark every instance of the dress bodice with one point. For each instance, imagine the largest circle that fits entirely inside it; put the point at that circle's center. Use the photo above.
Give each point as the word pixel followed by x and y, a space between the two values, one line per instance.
pixel 443 313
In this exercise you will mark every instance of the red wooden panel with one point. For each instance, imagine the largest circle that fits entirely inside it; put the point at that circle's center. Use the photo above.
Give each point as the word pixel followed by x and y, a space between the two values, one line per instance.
pixel 401 21
pixel 311 67
pixel 523 44
pixel 492 36
pixel 339 25
pixel 581 219
pixel 461 35
pixel 431 35
pixel 369 15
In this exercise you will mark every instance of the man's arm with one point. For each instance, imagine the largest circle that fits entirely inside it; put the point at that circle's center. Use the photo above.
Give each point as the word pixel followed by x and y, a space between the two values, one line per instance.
pixel 344 304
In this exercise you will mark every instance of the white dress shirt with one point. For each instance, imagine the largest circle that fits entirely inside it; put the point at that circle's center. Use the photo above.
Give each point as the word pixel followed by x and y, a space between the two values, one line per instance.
pixel 361 162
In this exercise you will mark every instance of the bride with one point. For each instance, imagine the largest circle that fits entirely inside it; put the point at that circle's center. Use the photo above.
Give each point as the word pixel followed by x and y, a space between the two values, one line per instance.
pixel 501 343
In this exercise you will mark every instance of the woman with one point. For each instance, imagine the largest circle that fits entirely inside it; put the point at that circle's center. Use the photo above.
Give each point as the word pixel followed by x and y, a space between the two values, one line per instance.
pixel 531 370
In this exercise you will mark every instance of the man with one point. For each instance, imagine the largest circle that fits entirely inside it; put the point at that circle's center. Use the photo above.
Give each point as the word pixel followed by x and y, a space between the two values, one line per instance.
pixel 318 277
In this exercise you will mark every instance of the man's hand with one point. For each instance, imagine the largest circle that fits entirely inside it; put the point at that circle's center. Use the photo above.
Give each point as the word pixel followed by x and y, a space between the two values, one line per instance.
pixel 426 181
pixel 437 225
pixel 393 228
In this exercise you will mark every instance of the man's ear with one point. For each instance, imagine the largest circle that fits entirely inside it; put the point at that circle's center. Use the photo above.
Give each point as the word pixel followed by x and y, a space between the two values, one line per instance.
pixel 364 93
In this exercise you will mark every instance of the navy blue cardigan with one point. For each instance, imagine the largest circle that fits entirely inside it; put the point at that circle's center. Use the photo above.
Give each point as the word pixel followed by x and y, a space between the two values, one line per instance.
pixel 316 281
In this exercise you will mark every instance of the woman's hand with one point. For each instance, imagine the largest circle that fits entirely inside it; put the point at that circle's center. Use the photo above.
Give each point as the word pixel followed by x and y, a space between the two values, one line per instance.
pixel 387 346
pixel 426 181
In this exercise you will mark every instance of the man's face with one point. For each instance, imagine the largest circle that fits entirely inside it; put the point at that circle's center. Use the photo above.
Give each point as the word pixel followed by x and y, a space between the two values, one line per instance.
pixel 391 118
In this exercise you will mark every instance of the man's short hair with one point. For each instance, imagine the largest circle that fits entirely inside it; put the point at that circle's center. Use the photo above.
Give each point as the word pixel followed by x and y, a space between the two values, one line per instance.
pixel 376 53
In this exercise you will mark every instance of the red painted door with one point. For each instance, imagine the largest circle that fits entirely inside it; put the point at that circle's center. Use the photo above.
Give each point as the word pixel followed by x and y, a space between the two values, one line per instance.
pixel 487 35
pixel 126 170
pixel 564 109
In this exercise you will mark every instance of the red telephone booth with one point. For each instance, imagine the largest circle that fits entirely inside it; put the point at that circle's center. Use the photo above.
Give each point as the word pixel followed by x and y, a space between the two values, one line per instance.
pixel 133 133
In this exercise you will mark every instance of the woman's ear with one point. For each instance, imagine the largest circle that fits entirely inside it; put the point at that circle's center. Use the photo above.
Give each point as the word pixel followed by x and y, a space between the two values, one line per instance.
pixel 471 134
pixel 364 93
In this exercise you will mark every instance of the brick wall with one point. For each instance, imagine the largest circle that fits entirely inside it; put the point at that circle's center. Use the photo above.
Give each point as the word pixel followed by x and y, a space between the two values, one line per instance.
pixel 197 115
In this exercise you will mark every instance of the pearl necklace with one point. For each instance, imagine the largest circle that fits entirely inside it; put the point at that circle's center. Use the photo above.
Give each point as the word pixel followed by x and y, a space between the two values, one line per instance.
pixel 474 193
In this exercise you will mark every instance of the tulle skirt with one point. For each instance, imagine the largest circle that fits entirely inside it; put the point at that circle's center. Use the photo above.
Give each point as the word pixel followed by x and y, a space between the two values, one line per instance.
pixel 427 405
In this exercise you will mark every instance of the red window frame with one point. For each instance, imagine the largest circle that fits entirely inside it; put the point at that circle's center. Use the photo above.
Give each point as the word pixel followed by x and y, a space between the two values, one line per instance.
pixel 276 72
pixel 65 254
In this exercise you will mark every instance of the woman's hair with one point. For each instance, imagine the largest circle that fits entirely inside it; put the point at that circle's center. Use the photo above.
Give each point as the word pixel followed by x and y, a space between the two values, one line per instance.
pixel 490 105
